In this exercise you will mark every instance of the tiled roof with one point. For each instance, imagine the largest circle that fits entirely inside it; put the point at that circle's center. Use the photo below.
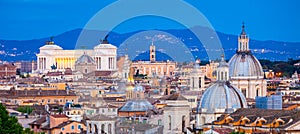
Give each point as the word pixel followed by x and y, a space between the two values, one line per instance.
pixel 34 92
pixel 66 123
pixel 100 117
pixel 288 116
pixel 59 116
pixel 175 96
pixel 39 121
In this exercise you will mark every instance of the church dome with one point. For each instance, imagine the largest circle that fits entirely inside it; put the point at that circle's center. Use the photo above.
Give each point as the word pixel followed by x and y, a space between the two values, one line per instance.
pixel 85 59
pixel 137 105
pixel 244 64
pixel 221 97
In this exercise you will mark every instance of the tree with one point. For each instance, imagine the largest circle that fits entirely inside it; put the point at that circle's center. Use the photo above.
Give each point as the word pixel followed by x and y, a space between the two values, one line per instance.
pixel 8 124
pixel 60 110
pixel 27 131
pixel 26 109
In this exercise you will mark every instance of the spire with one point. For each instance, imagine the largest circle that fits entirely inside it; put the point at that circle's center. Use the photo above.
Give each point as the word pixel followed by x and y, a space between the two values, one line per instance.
pixel 243 29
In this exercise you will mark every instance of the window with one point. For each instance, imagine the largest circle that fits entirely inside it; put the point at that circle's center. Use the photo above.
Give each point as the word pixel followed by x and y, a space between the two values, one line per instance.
pixel 108 109
pixel 159 122
pixel 62 129
pixel 170 120
pixel 72 127
pixel 102 110
pixel 114 110
pixel 90 127
pixel 102 127
pixel 222 76
pixel 79 126
pixel 109 128
pixel 244 91
pixel 49 100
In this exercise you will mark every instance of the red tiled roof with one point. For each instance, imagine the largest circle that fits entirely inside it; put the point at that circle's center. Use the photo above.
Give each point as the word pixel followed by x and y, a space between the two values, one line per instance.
pixel 59 116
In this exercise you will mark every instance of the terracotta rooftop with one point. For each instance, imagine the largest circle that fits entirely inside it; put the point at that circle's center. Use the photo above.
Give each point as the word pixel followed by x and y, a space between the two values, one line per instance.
pixel 34 92
pixel 174 96
pixel 38 121
pixel 100 117
pixel 59 116
pixel 289 116
pixel 66 123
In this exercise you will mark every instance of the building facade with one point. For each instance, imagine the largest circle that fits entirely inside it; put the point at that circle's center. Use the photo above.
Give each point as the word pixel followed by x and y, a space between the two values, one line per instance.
pixel 101 124
pixel 53 56
pixel 154 68
pixel 8 71
pixel 269 102
pixel 176 115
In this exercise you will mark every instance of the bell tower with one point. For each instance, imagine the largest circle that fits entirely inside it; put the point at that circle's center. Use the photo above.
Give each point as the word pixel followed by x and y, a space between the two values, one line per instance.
pixel 152 53
pixel 243 41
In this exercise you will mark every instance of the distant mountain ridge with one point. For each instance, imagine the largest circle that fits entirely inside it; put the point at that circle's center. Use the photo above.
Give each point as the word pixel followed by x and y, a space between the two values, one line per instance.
pixel 13 50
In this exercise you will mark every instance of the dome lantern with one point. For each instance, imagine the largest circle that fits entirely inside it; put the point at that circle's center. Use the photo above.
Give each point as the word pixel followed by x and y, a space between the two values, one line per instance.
pixel 243 41
pixel 223 70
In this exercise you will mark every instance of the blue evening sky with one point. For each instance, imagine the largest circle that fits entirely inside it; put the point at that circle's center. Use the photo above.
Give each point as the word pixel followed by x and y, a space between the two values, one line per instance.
pixel 265 19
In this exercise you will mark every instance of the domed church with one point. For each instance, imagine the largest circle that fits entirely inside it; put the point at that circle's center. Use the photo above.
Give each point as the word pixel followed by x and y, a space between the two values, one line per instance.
pixel 220 98
pixel 85 64
pixel 245 71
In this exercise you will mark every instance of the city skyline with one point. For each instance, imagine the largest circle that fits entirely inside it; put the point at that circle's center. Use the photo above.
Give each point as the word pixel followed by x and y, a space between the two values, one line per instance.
pixel 151 66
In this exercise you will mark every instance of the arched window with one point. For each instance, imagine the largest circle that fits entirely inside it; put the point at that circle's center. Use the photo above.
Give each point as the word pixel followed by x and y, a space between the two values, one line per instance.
pixel 96 129
pixel 90 127
pixel 102 128
pixel 109 128
pixel 183 123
